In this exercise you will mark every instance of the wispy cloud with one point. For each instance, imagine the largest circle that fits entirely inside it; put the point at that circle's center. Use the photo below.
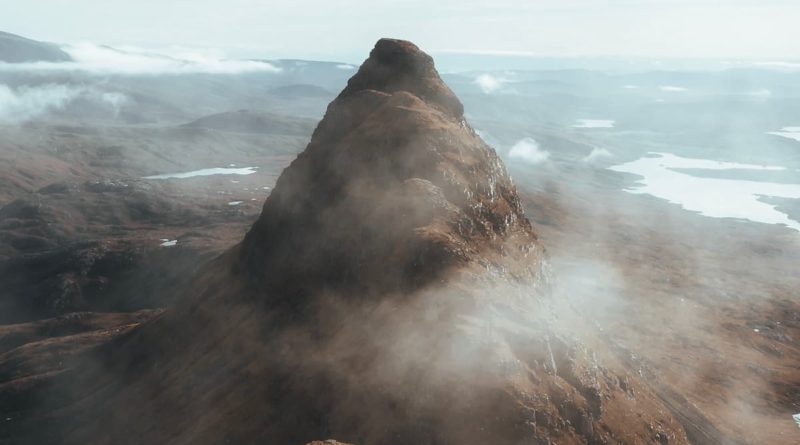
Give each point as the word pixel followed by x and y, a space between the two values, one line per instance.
pixel 489 83
pixel 529 151
pixel 115 100
pixel 672 89
pixel 24 103
pixel 98 59
pixel 597 155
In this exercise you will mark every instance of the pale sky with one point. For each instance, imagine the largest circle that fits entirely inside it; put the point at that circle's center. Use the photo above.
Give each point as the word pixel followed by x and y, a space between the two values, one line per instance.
pixel 346 29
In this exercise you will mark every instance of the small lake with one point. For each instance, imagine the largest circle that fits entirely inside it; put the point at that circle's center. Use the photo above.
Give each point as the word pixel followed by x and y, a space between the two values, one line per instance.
pixel 712 197
pixel 792 133
pixel 206 172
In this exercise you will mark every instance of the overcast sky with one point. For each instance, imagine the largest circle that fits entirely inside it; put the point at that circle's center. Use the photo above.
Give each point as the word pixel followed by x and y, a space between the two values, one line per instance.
pixel 346 29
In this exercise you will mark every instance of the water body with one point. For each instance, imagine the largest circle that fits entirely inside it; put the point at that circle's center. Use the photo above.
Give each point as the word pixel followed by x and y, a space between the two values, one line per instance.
pixel 206 172
pixel 712 197
pixel 792 133
pixel 594 123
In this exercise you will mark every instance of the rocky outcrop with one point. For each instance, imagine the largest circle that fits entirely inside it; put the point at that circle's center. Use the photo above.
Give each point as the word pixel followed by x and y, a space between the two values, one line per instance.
pixel 393 190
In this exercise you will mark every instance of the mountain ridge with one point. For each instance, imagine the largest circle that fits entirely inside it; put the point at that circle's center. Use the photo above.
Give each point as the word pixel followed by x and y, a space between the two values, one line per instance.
pixel 18 49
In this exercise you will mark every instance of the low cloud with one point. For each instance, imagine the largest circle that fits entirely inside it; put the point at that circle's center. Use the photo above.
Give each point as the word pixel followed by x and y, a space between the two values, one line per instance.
pixel 489 83
pixel 28 102
pixel 24 103
pixel 97 59
pixel 528 150
pixel 115 100
pixel 598 155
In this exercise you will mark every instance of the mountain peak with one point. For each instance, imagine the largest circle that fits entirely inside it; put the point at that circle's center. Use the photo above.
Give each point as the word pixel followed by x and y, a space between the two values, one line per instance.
pixel 399 65
pixel 393 190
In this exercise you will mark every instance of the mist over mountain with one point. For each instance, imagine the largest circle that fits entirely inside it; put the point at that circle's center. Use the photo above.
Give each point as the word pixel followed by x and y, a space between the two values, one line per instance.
pixel 197 249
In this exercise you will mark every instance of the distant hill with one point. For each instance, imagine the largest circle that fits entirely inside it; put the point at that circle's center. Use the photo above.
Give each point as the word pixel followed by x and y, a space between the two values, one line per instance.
pixel 301 90
pixel 16 49
pixel 329 75
pixel 245 121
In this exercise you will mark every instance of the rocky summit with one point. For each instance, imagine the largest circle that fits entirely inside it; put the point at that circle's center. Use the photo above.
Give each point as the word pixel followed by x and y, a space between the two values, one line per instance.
pixel 393 191
pixel 392 291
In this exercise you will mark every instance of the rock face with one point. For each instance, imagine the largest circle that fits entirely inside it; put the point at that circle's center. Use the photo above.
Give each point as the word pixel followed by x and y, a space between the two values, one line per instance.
pixel 391 292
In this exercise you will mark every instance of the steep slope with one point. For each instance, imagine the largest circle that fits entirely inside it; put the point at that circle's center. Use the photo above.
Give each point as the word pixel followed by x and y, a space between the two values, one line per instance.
pixel 393 189
pixel 16 49
pixel 392 291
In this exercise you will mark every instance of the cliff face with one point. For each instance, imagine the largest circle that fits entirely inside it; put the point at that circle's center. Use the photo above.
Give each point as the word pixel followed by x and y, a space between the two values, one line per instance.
pixel 391 292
